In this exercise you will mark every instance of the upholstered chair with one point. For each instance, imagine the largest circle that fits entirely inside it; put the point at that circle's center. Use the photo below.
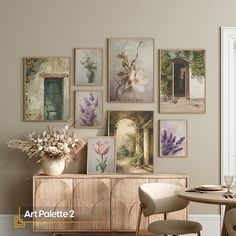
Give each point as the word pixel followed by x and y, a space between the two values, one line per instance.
pixel 161 198
pixel 230 222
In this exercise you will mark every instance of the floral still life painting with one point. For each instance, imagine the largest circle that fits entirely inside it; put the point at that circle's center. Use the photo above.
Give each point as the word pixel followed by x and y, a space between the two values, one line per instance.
pixel 130 70
pixel 88 109
pixel 182 81
pixel 133 131
pixel 88 66
pixel 46 89
pixel 101 155
pixel 173 138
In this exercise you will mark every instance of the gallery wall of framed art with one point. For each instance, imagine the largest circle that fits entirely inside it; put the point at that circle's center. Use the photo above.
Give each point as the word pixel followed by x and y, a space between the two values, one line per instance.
pixel 130 80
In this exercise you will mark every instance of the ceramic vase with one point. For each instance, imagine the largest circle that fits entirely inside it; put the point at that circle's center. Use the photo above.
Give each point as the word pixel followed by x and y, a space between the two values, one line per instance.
pixel 53 167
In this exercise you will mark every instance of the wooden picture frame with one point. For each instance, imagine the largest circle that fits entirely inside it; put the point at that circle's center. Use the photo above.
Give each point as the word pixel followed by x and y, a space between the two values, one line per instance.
pixel 46 89
pixel 173 138
pixel 182 81
pixel 130 70
pixel 88 63
pixel 88 108
pixel 133 131
pixel 101 155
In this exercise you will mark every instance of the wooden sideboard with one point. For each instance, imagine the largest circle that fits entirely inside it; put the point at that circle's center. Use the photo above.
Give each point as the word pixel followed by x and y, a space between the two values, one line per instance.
pixel 102 203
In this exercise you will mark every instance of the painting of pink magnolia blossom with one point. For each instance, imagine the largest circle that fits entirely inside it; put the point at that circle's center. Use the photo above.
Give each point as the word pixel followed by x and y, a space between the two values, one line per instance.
pixel 101 155
pixel 130 70
pixel 173 138
pixel 88 109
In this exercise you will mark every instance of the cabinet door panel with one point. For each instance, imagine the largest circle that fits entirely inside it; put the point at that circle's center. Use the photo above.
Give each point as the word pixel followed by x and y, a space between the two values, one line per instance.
pixel 125 204
pixel 52 195
pixel 91 200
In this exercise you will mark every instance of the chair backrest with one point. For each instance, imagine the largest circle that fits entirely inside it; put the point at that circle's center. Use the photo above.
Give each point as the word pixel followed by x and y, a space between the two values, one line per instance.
pixel 160 198
pixel 230 222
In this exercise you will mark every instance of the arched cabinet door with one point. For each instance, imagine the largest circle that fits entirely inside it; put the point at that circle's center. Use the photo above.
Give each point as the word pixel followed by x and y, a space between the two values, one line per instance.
pixel 125 204
pixel 91 201
pixel 52 194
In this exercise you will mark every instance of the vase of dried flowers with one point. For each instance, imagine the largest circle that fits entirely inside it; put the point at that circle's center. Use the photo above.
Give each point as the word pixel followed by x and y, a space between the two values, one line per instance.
pixel 54 148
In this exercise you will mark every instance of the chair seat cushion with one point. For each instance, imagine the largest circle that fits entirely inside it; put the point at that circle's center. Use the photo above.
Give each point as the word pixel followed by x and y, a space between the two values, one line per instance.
pixel 172 227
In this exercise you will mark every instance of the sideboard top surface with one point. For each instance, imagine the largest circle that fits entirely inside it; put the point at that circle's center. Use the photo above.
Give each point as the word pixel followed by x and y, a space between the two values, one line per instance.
pixel 114 176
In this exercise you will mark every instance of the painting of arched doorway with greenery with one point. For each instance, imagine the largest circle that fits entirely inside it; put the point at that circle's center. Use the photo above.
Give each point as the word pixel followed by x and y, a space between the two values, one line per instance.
pixel 182 81
pixel 133 131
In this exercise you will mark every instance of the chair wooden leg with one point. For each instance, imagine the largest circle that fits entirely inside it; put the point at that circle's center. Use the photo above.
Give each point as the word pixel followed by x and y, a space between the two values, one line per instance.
pixel 139 219
pixel 199 233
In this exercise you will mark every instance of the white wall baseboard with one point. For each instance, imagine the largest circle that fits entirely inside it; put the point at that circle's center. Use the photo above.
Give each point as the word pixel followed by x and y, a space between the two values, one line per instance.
pixel 210 224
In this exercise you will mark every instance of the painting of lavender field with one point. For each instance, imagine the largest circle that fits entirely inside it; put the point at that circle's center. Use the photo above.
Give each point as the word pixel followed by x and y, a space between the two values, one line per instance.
pixel 130 70
pixel 101 155
pixel 173 138
pixel 88 109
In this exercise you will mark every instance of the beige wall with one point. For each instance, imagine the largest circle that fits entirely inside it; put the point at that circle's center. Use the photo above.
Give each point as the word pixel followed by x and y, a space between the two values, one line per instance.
pixel 55 27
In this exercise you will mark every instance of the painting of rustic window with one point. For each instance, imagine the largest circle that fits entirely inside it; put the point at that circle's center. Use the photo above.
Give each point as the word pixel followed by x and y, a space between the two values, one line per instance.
pixel 173 138
pixel 88 109
pixel 133 131
pixel 88 66
pixel 182 81
pixel 130 70
pixel 46 89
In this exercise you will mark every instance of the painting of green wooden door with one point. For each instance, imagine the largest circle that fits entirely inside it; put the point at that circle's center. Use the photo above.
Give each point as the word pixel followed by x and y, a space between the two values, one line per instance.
pixel 53 98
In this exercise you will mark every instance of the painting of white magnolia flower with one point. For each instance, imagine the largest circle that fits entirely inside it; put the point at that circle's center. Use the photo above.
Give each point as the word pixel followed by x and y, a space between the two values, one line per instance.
pixel 101 155
pixel 130 70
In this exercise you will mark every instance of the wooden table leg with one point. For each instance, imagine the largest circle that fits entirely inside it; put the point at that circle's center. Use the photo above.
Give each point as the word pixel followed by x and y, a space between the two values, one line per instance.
pixel 223 231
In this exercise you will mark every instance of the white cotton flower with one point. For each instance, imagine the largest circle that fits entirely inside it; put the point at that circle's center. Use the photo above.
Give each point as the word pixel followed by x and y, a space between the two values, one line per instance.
pixel 44 133
pixel 66 127
pixel 40 148
pixel 40 140
pixel 73 145
pixel 67 150
pixel 66 145
pixel 60 146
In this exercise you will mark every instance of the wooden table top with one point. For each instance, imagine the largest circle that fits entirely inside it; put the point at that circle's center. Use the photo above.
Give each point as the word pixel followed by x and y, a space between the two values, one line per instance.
pixel 210 197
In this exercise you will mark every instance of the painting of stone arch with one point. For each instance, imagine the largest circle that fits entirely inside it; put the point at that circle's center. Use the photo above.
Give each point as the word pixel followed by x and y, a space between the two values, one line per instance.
pixel 182 81
pixel 133 131
pixel 46 89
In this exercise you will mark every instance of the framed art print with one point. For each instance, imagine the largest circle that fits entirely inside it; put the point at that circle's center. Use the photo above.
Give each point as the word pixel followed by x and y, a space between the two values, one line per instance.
pixel 182 81
pixel 173 138
pixel 88 66
pixel 88 109
pixel 101 155
pixel 46 88
pixel 130 70
pixel 133 131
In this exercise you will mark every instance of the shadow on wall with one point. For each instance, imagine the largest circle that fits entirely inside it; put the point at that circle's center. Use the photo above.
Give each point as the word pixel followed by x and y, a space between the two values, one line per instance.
pixel 16 171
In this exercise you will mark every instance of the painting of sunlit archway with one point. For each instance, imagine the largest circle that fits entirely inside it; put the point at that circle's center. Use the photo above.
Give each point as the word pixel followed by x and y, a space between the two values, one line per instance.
pixel 134 140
